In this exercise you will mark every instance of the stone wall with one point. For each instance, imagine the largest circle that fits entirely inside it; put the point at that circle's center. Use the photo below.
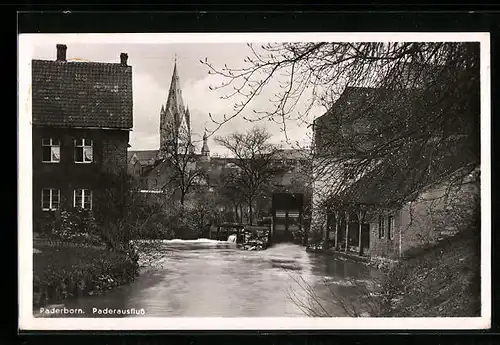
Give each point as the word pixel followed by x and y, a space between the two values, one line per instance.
pixel 437 212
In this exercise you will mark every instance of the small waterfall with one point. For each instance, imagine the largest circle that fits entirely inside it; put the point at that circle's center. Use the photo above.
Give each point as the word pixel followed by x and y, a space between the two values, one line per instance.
pixel 232 238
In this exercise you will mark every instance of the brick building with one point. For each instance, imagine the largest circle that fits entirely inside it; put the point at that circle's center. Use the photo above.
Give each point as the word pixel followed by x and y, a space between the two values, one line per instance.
pixel 82 116
pixel 380 201
pixel 395 220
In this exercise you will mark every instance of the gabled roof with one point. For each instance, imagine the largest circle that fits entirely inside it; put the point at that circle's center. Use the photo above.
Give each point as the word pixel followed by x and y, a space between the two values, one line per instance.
pixel 145 157
pixel 82 94
pixel 298 154
pixel 360 110
pixel 390 184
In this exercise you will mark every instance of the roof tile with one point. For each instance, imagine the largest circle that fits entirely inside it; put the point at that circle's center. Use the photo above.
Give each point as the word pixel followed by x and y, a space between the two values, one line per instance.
pixel 82 94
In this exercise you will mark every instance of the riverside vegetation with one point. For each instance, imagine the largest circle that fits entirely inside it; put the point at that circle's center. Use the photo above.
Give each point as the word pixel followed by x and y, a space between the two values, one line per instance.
pixel 87 252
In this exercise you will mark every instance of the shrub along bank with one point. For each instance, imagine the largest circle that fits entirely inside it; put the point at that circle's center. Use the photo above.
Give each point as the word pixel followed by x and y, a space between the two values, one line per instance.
pixel 65 272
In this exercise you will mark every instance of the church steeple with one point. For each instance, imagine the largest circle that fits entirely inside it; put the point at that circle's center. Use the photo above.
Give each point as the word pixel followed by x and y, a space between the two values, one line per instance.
pixel 205 151
pixel 188 120
pixel 175 124
pixel 175 103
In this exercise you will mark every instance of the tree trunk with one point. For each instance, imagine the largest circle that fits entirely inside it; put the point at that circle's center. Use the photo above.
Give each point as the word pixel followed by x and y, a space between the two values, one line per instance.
pixel 326 234
pixel 346 231
pixel 250 213
pixel 270 234
pixel 236 213
pixel 337 229
pixel 306 237
pixel 360 242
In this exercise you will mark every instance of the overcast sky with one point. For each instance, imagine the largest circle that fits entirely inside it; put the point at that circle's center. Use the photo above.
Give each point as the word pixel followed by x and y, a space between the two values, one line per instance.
pixel 152 66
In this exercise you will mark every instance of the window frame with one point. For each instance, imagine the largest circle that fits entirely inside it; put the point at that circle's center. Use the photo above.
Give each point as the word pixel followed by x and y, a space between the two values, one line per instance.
pixel 381 227
pixel 82 205
pixel 391 225
pixel 51 199
pixel 51 145
pixel 82 147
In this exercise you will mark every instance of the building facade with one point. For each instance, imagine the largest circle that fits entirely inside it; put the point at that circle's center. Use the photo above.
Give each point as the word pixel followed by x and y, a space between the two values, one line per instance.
pixel 382 206
pixel 81 118
pixel 153 169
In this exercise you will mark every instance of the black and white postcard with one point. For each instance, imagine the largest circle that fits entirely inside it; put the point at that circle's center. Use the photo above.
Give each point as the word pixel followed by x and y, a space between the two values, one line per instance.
pixel 254 181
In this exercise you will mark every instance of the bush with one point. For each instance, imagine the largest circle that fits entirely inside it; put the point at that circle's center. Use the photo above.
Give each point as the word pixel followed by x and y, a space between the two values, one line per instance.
pixel 61 272
pixel 76 226
pixel 183 221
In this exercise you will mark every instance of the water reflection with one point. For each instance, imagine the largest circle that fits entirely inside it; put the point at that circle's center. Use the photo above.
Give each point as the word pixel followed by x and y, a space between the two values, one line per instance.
pixel 211 278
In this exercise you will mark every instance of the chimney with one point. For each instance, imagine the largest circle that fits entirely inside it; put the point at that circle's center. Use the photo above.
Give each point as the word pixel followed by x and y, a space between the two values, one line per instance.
pixel 123 59
pixel 61 52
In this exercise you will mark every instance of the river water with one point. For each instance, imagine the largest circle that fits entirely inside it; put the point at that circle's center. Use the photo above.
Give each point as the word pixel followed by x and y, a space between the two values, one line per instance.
pixel 206 278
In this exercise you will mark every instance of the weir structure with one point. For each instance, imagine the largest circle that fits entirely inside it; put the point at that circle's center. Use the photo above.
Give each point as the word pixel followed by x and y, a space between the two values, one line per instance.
pixel 287 212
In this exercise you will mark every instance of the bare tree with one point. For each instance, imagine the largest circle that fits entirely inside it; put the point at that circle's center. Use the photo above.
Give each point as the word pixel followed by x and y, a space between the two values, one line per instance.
pixel 254 156
pixel 412 105
pixel 130 221
pixel 181 168
pixel 203 210
pixel 232 191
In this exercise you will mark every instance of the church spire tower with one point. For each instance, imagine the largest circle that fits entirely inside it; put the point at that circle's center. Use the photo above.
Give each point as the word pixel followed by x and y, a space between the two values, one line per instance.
pixel 174 118
pixel 205 151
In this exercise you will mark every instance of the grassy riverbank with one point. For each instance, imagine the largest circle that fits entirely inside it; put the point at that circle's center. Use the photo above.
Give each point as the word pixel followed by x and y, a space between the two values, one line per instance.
pixel 64 272
pixel 439 280
pixel 436 280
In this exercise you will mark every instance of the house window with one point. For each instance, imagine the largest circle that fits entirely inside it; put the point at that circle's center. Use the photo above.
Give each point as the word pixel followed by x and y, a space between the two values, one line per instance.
pixel 50 199
pixel 84 151
pixel 381 227
pixel 82 198
pixel 51 150
pixel 390 227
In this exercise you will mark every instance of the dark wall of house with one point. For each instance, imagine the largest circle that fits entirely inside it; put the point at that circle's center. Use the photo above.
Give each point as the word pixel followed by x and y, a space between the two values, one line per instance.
pixel 326 130
pixel 109 154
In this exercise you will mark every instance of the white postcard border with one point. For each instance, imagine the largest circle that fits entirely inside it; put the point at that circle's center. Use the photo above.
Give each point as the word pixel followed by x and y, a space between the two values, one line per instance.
pixel 25 233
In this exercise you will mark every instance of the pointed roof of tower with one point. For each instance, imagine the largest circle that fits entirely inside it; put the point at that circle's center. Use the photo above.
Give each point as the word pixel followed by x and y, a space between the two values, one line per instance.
pixel 205 144
pixel 175 103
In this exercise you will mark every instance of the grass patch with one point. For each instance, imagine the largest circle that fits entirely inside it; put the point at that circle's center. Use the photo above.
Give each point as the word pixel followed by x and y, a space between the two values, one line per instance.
pixel 64 272
pixel 440 280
